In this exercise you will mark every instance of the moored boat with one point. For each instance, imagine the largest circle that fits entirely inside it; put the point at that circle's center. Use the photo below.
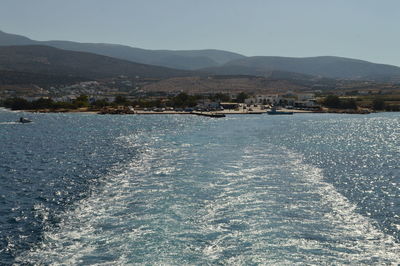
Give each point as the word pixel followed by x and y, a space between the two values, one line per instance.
pixel 273 111
pixel 209 114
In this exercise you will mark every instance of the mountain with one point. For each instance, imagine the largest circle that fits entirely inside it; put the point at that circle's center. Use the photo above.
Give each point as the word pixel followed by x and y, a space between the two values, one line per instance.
pixel 8 77
pixel 219 62
pixel 7 39
pixel 224 84
pixel 186 60
pixel 52 61
pixel 322 66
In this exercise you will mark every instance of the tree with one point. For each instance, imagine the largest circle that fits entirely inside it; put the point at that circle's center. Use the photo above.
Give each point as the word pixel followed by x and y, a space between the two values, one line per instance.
pixel 120 100
pixel 241 97
pixel 101 103
pixel 349 104
pixel 42 103
pixel 332 101
pixel 378 104
pixel 17 104
pixel 82 98
pixel 183 100
pixel 81 101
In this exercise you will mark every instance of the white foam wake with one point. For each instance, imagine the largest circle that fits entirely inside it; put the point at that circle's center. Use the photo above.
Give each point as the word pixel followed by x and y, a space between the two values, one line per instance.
pixel 186 203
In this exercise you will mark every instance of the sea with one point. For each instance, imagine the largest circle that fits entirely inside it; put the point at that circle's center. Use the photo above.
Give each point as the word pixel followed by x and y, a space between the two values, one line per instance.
pixel 306 189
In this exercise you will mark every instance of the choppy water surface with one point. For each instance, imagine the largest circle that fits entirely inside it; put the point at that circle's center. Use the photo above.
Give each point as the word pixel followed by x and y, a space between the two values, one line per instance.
pixel 306 189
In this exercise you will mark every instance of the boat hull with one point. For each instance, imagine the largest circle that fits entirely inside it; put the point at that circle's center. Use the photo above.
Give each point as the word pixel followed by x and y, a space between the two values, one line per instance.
pixel 279 113
pixel 215 115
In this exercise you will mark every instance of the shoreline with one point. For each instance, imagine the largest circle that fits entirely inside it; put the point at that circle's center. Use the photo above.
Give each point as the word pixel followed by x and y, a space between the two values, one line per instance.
pixel 225 112
pixel 141 112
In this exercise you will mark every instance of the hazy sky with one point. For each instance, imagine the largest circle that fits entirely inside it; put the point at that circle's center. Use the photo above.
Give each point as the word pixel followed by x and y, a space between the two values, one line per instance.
pixel 364 29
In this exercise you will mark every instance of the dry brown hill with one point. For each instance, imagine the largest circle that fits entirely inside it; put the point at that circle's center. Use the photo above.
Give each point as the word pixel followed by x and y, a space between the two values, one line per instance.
pixel 225 84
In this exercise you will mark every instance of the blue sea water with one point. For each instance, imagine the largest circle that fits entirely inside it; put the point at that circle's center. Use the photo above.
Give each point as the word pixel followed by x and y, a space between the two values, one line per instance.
pixel 80 189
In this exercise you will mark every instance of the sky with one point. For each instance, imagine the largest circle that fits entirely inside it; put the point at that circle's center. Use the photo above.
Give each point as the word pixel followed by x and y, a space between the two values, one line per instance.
pixel 362 29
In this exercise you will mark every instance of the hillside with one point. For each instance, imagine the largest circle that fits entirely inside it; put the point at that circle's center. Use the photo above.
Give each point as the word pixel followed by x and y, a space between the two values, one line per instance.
pixel 7 39
pixel 8 77
pixel 186 60
pixel 227 63
pixel 53 61
pixel 225 84
pixel 323 66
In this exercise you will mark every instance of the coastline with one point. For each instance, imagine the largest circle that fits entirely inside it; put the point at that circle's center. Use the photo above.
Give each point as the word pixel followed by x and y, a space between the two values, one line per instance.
pixel 188 113
pixel 142 112
pixel 225 112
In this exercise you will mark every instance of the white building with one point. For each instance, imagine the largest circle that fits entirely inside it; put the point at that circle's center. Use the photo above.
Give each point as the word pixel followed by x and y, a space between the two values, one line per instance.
pixel 264 99
pixel 306 100
pixel 305 96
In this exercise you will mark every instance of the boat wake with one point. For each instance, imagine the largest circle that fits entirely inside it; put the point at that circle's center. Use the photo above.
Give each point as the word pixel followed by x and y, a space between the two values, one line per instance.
pixel 200 202
pixel 9 123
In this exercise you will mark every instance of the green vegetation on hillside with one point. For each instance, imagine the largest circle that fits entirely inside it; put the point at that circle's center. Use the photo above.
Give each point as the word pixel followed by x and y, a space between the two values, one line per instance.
pixel 241 97
pixel 333 101
pixel 375 102
pixel 43 103
pixel 44 80
pixel 182 100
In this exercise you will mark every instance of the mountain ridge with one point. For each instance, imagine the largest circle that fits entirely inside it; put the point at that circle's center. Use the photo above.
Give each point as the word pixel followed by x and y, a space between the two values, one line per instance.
pixel 49 60
pixel 319 66
pixel 181 59
pixel 218 62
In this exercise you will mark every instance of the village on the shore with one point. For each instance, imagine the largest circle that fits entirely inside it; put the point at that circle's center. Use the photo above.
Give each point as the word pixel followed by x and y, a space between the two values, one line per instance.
pixel 122 96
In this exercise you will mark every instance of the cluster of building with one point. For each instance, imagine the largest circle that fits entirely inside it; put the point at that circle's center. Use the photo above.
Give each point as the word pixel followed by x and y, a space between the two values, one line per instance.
pixel 121 86
pixel 96 90
pixel 305 101
pixel 290 99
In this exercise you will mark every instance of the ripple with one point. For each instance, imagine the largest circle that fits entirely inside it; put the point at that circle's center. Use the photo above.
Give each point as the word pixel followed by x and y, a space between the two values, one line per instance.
pixel 316 189
pixel 255 208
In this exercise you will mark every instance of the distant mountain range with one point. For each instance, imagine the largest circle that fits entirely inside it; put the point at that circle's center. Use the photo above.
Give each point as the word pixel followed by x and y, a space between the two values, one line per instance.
pixel 52 61
pixel 322 66
pixel 10 77
pixel 97 60
pixel 186 60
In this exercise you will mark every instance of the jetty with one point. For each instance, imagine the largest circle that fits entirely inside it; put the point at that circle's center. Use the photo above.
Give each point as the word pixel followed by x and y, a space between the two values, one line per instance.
pixel 209 114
